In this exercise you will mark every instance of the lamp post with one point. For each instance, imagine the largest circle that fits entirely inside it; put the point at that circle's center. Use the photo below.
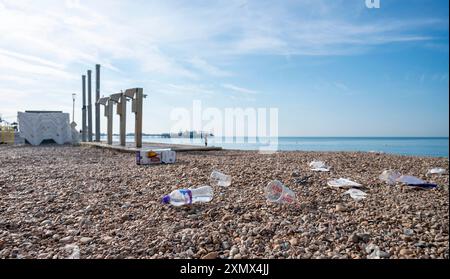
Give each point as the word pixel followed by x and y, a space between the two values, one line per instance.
pixel 73 106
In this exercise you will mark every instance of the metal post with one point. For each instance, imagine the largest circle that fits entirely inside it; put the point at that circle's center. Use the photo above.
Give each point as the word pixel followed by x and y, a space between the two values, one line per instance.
pixel 73 107
pixel 84 126
pixel 109 112
pixel 97 105
pixel 89 75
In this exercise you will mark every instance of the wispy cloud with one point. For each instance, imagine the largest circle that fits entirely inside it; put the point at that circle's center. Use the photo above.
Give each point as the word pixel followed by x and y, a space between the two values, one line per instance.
pixel 239 89
pixel 341 86
pixel 85 33
pixel 205 67
pixel 191 49
pixel 182 89
pixel 20 66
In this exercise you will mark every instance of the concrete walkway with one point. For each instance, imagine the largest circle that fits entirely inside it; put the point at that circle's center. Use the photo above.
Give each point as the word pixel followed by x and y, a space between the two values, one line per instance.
pixel 130 148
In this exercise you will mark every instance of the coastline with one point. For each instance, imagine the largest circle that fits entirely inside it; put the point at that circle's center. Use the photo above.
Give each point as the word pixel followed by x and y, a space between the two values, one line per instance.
pixel 101 202
pixel 410 146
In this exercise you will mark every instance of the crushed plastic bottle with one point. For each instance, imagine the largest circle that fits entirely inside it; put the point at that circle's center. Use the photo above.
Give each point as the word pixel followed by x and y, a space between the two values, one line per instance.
pixel 319 166
pixel 390 176
pixel 189 196
pixel 410 180
pixel 439 171
pixel 415 182
pixel 219 179
pixel 356 194
pixel 343 183
pixel 278 193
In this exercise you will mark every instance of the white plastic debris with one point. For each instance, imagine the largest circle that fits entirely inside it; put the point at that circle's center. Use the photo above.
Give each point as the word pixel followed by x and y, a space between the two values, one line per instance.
pixel 319 166
pixel 392 177
pixel 74 250
pixel 389 176
pixel 437 171
pixel 220 179
pixel 356 194
pixel 416 183
pixel 374 252
pixel 410 180
pixel 343 183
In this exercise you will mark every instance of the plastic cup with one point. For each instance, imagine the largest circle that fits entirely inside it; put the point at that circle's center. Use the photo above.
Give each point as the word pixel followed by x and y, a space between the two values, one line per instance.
pixel 278 193
pixel 219 179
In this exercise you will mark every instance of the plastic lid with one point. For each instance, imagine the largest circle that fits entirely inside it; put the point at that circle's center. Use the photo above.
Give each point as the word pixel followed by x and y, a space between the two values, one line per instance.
pixel 165 200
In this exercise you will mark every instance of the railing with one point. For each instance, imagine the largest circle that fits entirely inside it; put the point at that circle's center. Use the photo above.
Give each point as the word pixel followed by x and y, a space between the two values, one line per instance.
pixel 6 135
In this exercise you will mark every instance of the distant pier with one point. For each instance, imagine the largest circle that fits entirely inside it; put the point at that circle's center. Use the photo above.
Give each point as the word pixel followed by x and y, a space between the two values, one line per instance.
pixel 130 147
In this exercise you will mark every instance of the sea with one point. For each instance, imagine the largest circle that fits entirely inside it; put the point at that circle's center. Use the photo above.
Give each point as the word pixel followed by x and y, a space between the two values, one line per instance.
pixel 411 146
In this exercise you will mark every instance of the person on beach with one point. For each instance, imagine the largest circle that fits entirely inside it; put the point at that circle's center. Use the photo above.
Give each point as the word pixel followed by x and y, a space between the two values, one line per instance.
pixel 206 140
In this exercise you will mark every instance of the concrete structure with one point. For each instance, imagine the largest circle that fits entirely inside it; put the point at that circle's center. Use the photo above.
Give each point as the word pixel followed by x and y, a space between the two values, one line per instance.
pixel 97 105
pixel 107 103
pixel 122 111
pixel 37 126
pixel 84 118
pixel 137 97
pixel 121 100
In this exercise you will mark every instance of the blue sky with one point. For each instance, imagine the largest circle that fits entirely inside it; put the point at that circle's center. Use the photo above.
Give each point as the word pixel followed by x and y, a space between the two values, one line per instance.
pixel 332 68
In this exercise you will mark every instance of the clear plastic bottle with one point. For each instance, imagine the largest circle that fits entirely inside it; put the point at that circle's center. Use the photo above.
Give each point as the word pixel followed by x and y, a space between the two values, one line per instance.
pixel 219 179
pixel 189 196
pixel 390 176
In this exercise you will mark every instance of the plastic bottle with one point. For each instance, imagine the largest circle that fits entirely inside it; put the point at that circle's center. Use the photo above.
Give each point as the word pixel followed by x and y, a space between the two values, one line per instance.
pixel 219 179
pixel 390 176
pixel 189 196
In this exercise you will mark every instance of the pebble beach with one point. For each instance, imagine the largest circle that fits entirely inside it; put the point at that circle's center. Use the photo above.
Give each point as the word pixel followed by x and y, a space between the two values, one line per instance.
pixel 80 202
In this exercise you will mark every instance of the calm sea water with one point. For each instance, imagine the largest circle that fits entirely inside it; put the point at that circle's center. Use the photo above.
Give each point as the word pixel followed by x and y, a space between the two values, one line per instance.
pixel 434 147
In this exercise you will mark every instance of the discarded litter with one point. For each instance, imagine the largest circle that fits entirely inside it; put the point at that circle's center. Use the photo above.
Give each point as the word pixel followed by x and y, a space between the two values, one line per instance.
pixel 356 194
pixel 189 196
pixel 415 182
pixel 389 176
pixel 392 177
pixel 302 180
pixel 319 166
pixel 437 171
pixel 219 179
pixel 410 180
pixel 278 193
pixel 343 183
pixel 156 156
pixel 374 252
pixel 74 250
